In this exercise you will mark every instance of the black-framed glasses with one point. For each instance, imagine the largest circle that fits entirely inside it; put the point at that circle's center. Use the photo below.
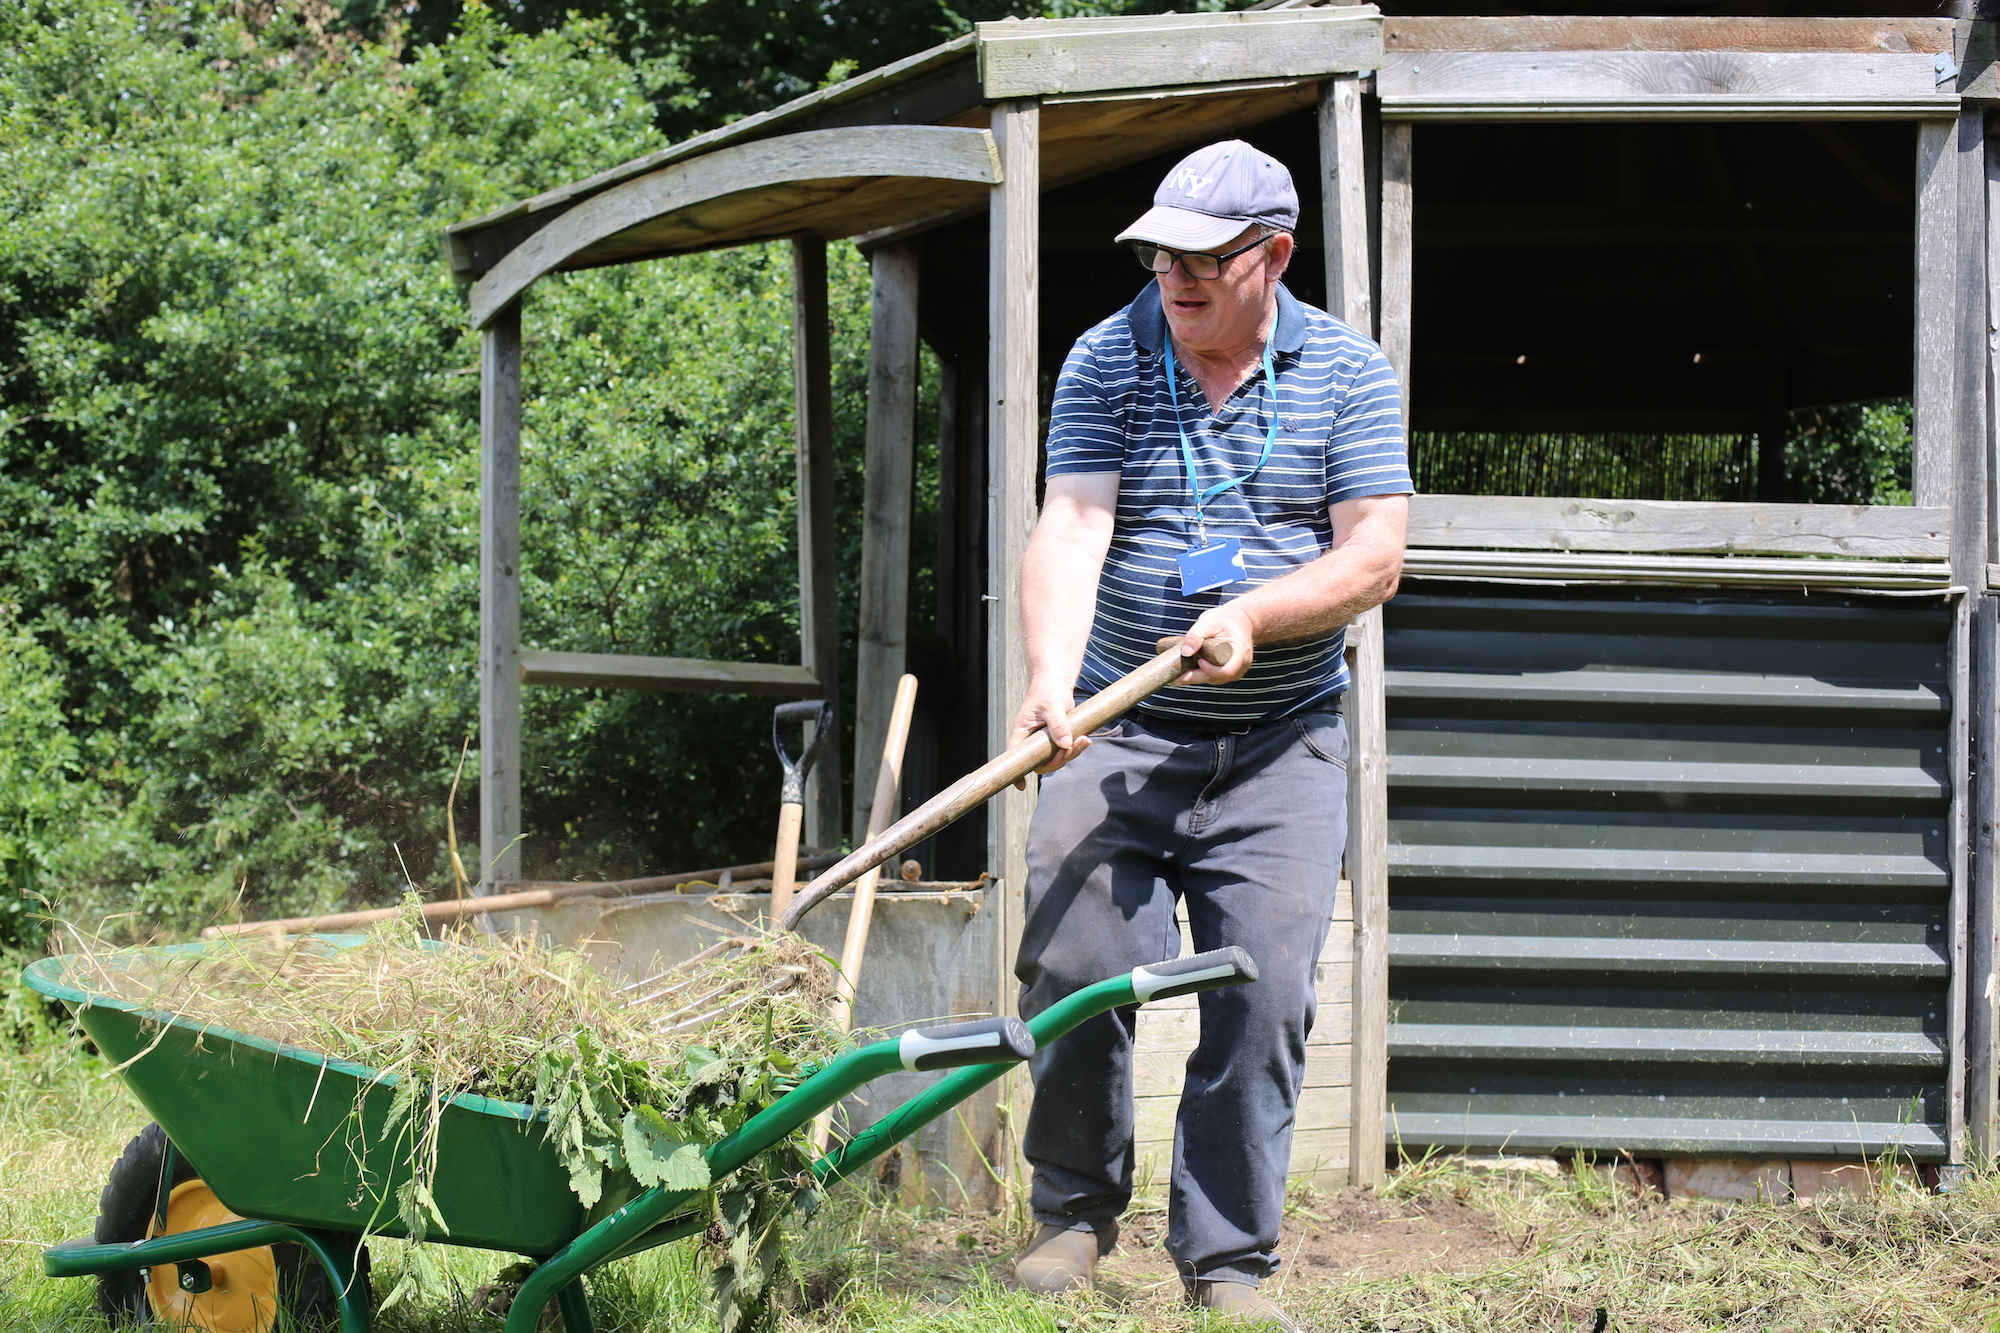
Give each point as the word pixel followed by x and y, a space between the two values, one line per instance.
pixel 1197 263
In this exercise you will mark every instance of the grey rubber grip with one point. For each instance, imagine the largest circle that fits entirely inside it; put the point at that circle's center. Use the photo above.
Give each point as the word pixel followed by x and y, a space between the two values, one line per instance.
pixel 1197 972
pixel 986 1041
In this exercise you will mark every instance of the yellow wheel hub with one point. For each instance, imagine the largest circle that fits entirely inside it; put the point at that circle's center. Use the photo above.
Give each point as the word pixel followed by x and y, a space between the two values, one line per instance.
pixel 243 1287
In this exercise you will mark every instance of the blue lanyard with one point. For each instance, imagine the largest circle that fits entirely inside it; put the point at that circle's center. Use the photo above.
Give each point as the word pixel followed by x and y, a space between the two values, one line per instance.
pixel 1201 496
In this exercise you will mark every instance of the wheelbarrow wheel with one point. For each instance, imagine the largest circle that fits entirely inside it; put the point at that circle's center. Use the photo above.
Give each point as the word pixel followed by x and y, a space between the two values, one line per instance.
pixel 256 1284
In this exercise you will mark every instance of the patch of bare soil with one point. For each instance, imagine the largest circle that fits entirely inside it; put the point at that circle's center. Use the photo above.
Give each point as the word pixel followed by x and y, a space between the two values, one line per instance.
pixel 1351 1235
pixel 1348 1235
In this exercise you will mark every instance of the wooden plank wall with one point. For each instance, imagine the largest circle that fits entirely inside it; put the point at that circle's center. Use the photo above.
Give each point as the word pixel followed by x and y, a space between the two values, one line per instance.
pixel 1169 1029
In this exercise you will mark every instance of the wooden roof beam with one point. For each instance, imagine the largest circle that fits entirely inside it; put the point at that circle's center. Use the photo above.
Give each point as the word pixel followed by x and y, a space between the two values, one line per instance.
pixel 1054 57
pixel 1613 68
pixel 925 152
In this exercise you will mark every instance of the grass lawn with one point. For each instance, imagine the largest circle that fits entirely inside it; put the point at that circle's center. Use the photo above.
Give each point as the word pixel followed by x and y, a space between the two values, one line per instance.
pixel 1443 1248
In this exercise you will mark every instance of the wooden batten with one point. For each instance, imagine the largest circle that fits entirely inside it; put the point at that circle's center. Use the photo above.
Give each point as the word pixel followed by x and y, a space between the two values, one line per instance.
pixel 1617 32
pixel 1934 426
pixel 500 598
pixel 1674 85
pixel 1617 67
pixel 819 612
pixel 1982 893
pixel 1971 465
pixel 1044 57
pixel 1532 523
pixel 676 675
pixel 885 530
pixel 1929 578
pixel 1367 857
pixel 1959 853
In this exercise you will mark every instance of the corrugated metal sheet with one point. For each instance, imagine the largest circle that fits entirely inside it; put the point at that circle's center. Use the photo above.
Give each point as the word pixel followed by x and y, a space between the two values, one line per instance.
pixel 1668 874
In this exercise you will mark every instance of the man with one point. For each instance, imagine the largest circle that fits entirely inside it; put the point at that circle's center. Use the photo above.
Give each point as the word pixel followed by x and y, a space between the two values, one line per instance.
pixel 1223 463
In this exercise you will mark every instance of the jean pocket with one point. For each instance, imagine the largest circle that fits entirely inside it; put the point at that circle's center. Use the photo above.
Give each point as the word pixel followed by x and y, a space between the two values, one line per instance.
pixel 1324 735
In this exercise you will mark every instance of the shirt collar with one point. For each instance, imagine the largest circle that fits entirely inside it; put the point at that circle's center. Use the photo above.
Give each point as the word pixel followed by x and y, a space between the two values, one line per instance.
pixel 1149 322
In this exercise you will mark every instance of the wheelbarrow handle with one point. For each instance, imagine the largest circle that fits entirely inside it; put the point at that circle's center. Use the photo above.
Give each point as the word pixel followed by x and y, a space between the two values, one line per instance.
pixel 952 1045
pixel 1198 972
pixel 1156 981
pixel 819 712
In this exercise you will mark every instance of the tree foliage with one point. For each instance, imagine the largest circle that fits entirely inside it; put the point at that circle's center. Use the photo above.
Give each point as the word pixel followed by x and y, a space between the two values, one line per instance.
pixel 707 62
pixel 238 464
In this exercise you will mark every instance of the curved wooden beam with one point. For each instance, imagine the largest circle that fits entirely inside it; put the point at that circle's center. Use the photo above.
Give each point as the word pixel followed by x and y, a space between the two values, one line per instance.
pixel 927 151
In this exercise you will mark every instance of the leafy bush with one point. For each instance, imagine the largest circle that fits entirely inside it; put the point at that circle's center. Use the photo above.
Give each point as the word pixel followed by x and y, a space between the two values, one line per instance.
pixel 239 466
pixel 1858 454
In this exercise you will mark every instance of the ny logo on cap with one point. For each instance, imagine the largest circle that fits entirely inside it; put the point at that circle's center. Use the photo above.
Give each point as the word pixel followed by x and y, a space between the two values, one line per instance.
pixel 1193 184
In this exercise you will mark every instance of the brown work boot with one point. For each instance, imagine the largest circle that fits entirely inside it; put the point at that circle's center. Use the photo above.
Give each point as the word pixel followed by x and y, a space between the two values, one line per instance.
pixel 1239 1303
pixel 1059 1260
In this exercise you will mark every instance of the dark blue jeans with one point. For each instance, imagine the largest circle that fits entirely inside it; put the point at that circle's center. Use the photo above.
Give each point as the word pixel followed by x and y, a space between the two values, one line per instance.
pixel 1247 829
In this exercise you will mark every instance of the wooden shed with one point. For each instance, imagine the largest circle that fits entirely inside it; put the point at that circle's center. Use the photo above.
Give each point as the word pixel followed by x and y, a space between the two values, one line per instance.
pixel 1671 807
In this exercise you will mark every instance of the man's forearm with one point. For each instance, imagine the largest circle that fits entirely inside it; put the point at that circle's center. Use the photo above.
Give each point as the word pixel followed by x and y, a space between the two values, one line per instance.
pixel 1319 598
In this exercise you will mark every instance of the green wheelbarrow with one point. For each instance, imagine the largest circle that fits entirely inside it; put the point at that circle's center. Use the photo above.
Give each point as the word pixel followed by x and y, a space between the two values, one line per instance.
pixel 293 1174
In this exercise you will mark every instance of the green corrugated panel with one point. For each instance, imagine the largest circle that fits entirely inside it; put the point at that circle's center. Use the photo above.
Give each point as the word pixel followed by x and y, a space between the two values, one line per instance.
pixel 1667 874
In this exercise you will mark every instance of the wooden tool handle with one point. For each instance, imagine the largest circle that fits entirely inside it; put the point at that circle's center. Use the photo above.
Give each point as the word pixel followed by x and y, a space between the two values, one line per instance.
pixel 785 864
pixel 980 785
pixel 529 893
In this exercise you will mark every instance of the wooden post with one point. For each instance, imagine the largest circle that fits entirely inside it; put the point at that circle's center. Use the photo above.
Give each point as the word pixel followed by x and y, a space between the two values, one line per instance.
pixel 819 616
pixel 1344 202
pixel 1368 871
pixel 1012 422
pixel 885 532
pixel 1936 435
pixel 500 600
pixel 1398 253
pixel 1982 1029
pixel 1013 450
pixel 1972 456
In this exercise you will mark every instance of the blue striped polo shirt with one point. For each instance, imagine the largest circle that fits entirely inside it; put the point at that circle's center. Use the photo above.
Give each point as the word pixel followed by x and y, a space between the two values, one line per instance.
pixel 1340 437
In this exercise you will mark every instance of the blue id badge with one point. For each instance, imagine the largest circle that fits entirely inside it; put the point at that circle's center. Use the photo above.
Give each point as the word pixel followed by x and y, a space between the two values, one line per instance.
pixel 1213 565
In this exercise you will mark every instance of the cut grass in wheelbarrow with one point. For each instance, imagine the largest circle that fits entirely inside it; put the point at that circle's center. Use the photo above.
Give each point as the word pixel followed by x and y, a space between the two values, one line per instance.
pixel 318 1150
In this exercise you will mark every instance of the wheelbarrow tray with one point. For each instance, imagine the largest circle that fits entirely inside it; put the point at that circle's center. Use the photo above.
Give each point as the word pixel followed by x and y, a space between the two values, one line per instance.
pixel 284 1134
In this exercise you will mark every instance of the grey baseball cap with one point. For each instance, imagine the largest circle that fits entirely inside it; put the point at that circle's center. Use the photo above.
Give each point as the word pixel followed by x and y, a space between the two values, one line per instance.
pixel 1214 193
